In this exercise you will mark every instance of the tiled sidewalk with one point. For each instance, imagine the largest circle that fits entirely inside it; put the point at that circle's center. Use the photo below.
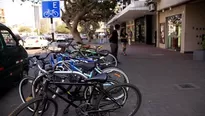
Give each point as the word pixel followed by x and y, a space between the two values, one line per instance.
pixel 157 73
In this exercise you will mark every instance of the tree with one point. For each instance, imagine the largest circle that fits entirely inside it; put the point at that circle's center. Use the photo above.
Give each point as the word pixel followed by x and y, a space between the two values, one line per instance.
pixel 36 30
pixel 62 29
pixel 76 11
pixel 86 11
pixel 89 28
pixel 44 26
pixel 43 30
pixel 24 29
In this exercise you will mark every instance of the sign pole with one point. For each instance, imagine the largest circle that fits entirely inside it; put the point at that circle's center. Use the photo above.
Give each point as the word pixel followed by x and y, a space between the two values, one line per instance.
pixel 52 29
pixel 51 9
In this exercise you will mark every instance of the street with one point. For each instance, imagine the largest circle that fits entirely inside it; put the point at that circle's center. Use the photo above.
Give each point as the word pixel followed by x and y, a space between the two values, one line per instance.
pixel 158 74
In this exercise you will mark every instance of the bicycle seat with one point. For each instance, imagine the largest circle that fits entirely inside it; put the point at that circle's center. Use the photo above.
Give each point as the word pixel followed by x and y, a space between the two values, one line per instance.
pixel 86 46
pixel 62 46
pixel 102 78
pixel 103 53
pixel 86 66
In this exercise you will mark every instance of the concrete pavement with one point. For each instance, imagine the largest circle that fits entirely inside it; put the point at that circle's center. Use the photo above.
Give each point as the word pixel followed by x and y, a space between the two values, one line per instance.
pixel 158 74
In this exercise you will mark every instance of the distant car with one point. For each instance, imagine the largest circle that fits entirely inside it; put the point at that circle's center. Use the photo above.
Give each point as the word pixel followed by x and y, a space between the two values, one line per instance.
pixel 84 36
pixel 35 42
pixel 60 37
pixel 54 46
pixel 13 58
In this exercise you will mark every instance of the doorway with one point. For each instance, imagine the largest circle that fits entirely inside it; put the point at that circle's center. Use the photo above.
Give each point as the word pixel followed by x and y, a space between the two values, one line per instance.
pixel 140 30
pixel 174 27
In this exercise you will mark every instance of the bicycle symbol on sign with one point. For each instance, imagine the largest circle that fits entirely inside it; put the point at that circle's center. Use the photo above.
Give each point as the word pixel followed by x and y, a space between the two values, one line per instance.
pixel 50 13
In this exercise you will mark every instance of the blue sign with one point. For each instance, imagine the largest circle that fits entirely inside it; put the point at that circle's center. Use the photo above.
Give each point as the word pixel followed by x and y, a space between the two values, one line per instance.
pixel 51 9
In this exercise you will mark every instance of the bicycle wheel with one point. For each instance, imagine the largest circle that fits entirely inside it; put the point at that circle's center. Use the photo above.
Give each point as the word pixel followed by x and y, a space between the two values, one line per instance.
pixel 117 74
pixel 108 61
pixel 25 89
pixel 107 104
pixel 88 90
pixel 42 107
pixel 104 51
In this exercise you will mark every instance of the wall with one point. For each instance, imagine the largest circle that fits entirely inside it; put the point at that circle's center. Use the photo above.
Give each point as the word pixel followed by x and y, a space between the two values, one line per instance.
pixel 167 3
pixel 153 27
pixel 195 18
pixel 162 19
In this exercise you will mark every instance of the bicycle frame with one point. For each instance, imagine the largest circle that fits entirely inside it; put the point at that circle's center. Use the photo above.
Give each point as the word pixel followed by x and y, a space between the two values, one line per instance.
pixel 70 102
pixel 74 68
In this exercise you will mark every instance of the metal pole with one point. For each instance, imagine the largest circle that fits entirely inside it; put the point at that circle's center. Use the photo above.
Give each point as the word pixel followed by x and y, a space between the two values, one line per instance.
pixel 52 29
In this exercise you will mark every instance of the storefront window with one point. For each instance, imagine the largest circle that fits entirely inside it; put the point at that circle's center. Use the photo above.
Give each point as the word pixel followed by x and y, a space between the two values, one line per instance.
pixel 130 27
pixel 140 30
pixel 174 25
pixel 162 33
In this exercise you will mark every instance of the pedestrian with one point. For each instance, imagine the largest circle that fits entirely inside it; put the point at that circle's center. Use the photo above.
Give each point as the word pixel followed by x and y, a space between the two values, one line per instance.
pixel 113 39
pixel 129 37
pixel 101 39
pixel 124 40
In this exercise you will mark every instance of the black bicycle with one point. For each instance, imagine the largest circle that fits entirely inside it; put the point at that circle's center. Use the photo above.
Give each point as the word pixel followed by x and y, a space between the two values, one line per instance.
pixel 100 101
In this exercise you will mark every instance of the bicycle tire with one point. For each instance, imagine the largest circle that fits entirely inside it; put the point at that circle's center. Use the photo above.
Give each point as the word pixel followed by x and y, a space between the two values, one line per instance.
pixel 88 89
pixel 21 84
pixel 116 69
pixel 23 106
pixel 115 60
pixel 21 93
pixel 137 91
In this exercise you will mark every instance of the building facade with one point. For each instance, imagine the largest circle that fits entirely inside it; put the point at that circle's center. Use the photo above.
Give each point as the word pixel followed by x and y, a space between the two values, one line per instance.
pixel 180 24
pixel 2 16
pixel 134 16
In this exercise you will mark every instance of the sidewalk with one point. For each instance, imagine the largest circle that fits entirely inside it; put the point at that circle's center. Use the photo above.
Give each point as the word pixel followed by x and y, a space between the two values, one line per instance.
pixel 157 73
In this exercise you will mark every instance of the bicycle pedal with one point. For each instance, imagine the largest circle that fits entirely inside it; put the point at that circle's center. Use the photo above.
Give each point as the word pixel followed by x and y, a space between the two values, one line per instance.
pixel 28 98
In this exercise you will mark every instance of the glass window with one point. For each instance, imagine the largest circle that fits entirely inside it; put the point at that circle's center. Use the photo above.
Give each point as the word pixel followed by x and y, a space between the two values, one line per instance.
pixel 8 38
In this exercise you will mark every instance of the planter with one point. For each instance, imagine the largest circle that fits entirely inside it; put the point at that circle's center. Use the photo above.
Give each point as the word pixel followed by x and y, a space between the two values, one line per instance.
pixel 199 55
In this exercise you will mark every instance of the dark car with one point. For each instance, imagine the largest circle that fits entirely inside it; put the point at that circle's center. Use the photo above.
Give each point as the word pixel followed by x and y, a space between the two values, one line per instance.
pixel 13 58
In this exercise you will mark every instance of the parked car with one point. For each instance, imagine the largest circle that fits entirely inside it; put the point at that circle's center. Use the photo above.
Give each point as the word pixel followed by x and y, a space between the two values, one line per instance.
pixel 13 58
pixel 60 37
pixel 35 42
pixel 83 36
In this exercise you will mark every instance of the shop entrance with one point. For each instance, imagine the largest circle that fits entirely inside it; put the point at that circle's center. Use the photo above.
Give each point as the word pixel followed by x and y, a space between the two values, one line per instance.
pixel 174 28
pixel 140 30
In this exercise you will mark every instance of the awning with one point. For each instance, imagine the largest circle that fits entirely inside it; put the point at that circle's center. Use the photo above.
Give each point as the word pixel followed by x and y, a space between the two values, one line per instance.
pixel 112 20
pixel 135 10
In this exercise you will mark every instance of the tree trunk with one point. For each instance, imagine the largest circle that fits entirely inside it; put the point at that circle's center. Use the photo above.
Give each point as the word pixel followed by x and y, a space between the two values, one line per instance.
pixel 76 35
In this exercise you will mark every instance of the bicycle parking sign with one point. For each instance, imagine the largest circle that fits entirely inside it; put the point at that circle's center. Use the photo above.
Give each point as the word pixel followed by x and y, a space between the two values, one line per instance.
pixel 51 8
